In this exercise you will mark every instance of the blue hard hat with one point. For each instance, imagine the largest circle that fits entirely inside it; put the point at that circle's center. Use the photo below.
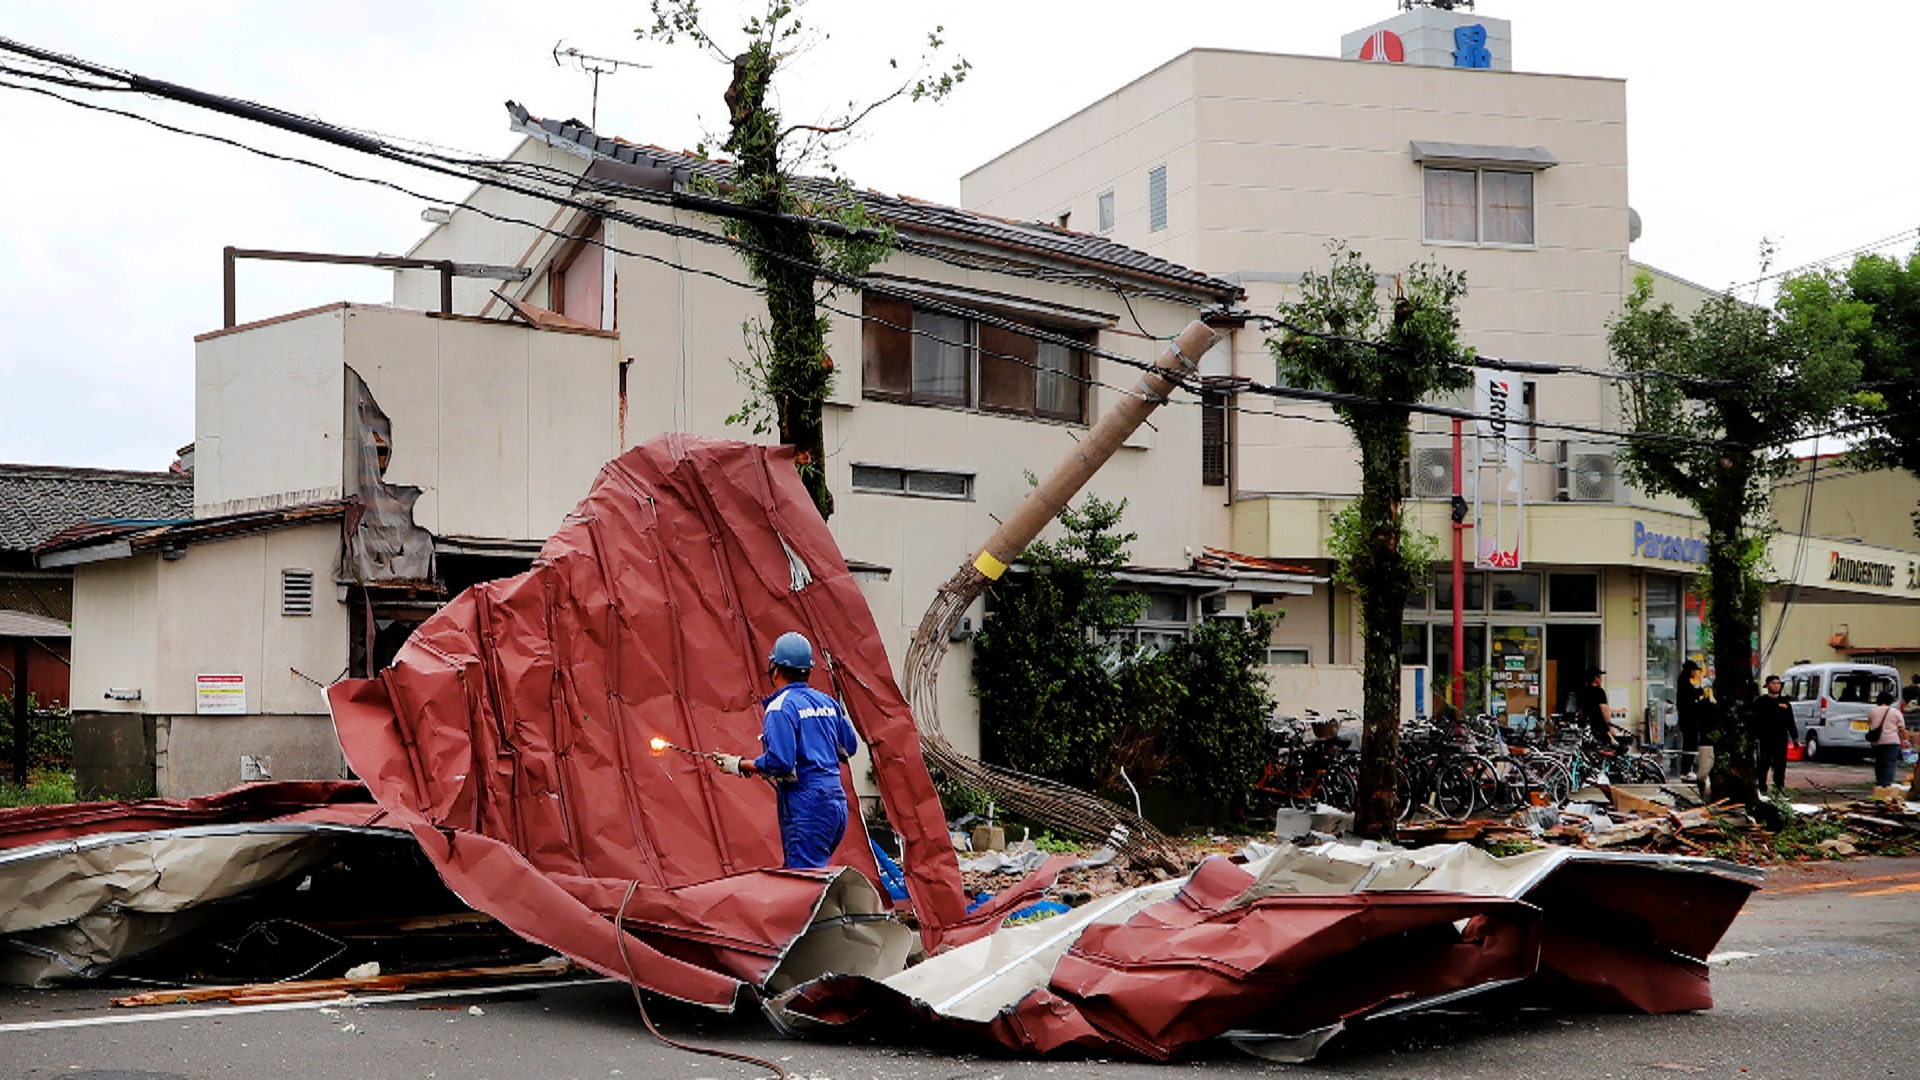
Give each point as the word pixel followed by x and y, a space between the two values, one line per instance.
pixel 793 651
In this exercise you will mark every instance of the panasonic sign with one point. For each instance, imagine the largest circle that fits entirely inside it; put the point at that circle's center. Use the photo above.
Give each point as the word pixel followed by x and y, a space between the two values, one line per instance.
pixel 1680 549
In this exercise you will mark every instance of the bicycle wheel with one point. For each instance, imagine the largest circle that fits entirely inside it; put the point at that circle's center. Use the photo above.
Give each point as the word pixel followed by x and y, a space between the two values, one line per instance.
pixel 1340 787
pixel 1509 792
pixel 1296 782
pixel 1551 777
pixel 1646 769
pixel 1458 784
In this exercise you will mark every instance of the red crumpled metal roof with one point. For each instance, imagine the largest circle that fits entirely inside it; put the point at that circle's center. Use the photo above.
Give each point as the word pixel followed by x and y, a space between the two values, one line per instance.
pixel 1222 958
pixel 511 732
pixel 332 802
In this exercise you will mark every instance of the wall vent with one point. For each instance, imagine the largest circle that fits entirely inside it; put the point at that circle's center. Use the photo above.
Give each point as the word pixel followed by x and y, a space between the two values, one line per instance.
pixel 296 592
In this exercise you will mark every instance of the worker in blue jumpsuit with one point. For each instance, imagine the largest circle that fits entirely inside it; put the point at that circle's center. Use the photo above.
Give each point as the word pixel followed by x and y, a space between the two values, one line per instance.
pixel 805 737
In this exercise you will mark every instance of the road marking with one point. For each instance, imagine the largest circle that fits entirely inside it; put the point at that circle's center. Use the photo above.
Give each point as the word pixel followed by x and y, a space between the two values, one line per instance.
pixel 216 1013
pixel 1909 876
pixel 1729 957
pixel 1891 890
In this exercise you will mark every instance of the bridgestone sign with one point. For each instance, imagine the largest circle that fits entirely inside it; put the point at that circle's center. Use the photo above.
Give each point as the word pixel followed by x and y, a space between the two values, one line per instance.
pixel 1859 571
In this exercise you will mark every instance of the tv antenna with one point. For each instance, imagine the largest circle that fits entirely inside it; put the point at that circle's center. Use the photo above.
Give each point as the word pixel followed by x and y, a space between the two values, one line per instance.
pixel 596 66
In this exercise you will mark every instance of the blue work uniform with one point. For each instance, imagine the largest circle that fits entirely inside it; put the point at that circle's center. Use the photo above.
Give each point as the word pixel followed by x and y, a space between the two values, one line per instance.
pixel 806 736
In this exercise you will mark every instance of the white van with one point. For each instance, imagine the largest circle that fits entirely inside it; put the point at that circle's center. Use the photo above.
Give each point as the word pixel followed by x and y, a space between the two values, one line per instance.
pixel 1831 701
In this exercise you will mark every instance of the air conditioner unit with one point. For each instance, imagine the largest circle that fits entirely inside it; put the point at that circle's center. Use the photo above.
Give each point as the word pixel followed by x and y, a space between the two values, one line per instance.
pixel 1588 473
pixel 1430 468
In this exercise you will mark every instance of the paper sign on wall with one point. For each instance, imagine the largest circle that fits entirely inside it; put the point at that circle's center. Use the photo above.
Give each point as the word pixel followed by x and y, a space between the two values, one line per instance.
pixel 220 695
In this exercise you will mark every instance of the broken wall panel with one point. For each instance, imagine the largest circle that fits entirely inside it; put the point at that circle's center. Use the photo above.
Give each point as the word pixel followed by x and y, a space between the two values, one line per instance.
pixel 511 734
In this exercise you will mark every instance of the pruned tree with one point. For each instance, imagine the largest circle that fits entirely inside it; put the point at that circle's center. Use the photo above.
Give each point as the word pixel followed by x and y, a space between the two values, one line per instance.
pixel 1348 337
pixel 1889 352
pixel 1715 403
pixel 788 374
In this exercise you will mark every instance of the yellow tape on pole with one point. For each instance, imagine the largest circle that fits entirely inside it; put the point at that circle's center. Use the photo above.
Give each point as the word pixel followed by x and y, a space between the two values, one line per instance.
pixel 989 565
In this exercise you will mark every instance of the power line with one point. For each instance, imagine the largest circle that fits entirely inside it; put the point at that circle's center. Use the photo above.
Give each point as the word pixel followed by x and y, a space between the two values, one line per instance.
pixel 374 146
pixel 1885 241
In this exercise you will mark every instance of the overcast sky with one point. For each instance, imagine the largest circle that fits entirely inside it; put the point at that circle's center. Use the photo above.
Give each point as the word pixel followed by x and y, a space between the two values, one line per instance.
pixel 1746 120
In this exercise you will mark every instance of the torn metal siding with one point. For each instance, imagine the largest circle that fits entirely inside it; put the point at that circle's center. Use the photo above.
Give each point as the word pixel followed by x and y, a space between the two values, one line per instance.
pixel 382 542
pixel 87 885
pixel 1286 951
pixel 511 733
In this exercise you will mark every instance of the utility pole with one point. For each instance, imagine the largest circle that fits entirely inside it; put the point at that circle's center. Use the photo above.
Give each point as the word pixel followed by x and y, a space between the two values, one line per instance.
pixel 1457 685
pixel 595 66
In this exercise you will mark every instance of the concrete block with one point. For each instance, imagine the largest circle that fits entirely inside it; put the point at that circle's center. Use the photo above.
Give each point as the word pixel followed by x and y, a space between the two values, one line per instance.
pixel 113 755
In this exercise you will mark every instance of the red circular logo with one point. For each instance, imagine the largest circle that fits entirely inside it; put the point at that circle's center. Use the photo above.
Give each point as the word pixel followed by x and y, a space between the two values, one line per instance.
pixel 1384 47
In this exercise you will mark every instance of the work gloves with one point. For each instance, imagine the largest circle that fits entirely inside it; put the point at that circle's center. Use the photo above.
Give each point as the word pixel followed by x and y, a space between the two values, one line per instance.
pixel 731 763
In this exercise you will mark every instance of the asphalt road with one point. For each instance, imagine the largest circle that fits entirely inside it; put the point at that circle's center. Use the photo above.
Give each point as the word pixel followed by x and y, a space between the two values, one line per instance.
pixel 1814 956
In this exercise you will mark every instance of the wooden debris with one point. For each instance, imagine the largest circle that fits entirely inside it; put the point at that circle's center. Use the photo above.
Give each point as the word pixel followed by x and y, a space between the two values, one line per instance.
pixel 321 989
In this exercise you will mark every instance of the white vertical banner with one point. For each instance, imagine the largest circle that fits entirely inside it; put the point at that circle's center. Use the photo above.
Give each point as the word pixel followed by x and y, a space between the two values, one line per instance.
pixel 1498 511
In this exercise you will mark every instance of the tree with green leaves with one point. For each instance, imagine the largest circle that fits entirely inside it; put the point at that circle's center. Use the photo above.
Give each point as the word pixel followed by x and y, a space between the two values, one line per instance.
pixel 1047 697
pixel 1065 695
pixel 788 372
pixel 1715 403
pixel 1889 352
pixel 1344 335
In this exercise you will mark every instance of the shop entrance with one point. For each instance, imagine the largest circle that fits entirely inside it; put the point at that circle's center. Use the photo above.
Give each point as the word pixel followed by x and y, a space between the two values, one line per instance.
pixel 1571 650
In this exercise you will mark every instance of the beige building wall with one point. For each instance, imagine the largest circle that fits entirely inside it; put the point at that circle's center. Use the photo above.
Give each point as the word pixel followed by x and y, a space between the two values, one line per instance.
pixel 268 407
pixel 501 426
pixel 153 624
pixel 1268 159
pixel 1861 516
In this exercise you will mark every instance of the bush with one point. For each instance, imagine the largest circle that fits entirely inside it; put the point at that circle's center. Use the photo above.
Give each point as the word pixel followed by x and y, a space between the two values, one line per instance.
pixel 51 734
pixel 1221 732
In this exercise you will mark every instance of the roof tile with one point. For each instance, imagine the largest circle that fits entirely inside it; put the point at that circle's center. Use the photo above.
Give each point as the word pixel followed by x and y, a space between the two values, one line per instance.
pixel 37 502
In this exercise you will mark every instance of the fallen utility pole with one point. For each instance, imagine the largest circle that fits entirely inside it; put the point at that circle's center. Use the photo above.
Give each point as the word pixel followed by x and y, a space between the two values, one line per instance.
pixel 1046 802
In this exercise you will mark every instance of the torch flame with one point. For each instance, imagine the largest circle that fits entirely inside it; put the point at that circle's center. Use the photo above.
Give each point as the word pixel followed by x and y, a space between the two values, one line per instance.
pixel 659 745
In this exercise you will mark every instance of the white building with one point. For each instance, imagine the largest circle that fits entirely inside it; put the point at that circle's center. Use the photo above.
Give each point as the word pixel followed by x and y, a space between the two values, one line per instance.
pixel 1432 147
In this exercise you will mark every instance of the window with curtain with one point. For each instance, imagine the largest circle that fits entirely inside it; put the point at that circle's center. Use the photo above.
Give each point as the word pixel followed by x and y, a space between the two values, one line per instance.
pixel 1057 382
pixel 1508 216
pixel 1452 209
pixel 1479 206
pixel 920 356
pixel 940 347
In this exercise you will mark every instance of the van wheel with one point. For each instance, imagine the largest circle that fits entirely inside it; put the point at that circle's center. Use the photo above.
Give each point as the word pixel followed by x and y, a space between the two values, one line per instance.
pixel 1813 746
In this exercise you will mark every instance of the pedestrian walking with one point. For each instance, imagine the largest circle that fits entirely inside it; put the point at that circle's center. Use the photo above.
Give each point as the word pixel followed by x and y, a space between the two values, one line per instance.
pixel 1887 736
pixel 1770 720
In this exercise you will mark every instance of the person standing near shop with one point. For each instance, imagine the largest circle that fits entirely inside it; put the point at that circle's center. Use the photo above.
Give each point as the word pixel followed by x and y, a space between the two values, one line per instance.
pixel 1591 700
pixel 806 737
pixel 1686 713
pixel 1886 736
pixel 1770 719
